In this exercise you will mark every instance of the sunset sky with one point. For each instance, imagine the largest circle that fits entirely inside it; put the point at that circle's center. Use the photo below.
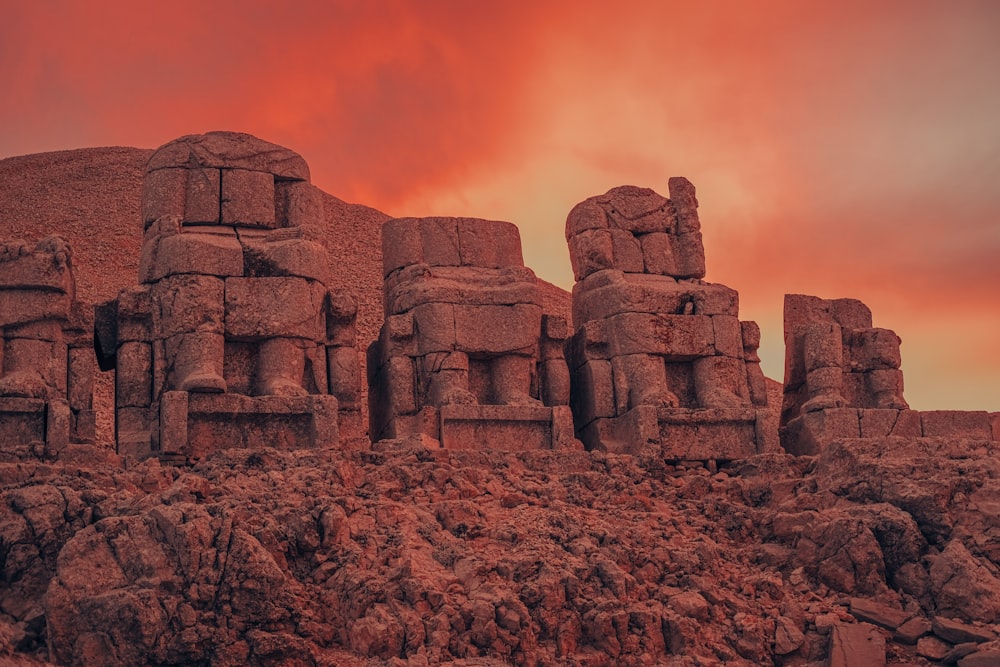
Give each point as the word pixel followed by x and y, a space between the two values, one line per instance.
pixel 841 149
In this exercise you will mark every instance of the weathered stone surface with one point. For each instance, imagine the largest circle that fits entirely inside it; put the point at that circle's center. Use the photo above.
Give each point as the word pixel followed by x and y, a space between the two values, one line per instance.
pixel 932 648
pixel 912 630
pixel 878 614
pixel 274 307
pixel 247 198
pixel 464 329
pixel 856 645
pixel 987 658
pixel 235 304
pixel 956 423
pixel 670 341
pixel 42 331
pixel 957 632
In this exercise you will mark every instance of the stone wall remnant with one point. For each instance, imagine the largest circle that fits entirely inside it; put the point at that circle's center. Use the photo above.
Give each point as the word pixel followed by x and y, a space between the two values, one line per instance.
pixel 659 359
pixel 466 356
pixel 46 358
pixel 843 381
pixel 232 338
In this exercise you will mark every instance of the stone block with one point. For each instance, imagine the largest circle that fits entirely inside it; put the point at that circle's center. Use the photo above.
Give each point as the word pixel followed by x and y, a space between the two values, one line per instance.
pixel 22 421
pixel 19 306
pixel 489 243
pixel 247 198
pixel 720 382
pixel 57 425
pixel 133 379
pixel 880 423
pixel 164 193
pixel 592 392
pixel 134 314
pixel 201 204
pixel 555 382
pixel 291 257
pixel 627 251
pixel 658 254
pixel 298 204
pixel 274 307
pixel 591 251
pixel 233 421
pixel 974 425
pixel 707 434
pixel 873 349
pixel 995 425
pixel 83 426
pixel 856 645
pixel 497 329
pixel 401 244
pixel 807 434
pixel 344 375
pixel 187 303
pixel 439 241
pixel 80 371
pixel 822 347
pixel 434 327
pixel 191 253
pixel 555 327
pixel 675 337
pixel 42 330
pixel 690 251
pixel 37 270
pixel 499 427
pixel 230 149
pixel 685 203
pixel 728 335
pixel 585 216
pixel 850 313
pixel 412 286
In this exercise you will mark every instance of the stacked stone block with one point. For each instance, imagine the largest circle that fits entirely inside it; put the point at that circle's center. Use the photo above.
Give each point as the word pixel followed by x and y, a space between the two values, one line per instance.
pixel 660 359
pixel 232 338
pixel 843 380
pixel 466 356
pixel 46 358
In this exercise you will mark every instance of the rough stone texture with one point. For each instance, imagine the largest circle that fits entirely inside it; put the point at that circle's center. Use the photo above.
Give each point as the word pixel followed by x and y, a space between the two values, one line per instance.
pixel 236 307
pixel 45 336
pixel 415 557
pixel 650 335
pixel 466 354
pixel 842 380
pixel 859 645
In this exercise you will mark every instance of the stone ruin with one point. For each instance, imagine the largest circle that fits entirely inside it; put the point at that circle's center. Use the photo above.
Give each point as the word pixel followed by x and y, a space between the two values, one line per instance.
pixel 660 361
pixel 466 356
pixel 843 380
pixel 46 356
pixel 232 338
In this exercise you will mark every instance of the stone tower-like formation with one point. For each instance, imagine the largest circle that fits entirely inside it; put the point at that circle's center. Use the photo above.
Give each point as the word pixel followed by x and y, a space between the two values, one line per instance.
pixel 660 360
pixel 466 357
pixel 839 371
pixel 46 355
pixel 232 338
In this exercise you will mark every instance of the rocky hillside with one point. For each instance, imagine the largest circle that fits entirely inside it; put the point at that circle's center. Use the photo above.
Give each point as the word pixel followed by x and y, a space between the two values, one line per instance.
pixel 418 558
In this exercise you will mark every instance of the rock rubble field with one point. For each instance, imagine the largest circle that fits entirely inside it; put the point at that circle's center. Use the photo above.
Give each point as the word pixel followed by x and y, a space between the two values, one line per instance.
pixel 875 552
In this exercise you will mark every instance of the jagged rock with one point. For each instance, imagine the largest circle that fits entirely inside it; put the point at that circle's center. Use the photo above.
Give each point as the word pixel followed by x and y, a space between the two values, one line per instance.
pixel 989 658
pixel 912 630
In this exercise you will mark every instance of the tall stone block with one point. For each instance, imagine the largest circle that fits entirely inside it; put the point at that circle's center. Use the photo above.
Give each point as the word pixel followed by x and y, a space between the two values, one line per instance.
pixel 466 358
pixel 660 361
pixel 838 368
pixel 46 364
pixel 232 324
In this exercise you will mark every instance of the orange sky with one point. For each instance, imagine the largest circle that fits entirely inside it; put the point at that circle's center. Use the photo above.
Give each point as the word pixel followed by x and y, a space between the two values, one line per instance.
pixel 839 149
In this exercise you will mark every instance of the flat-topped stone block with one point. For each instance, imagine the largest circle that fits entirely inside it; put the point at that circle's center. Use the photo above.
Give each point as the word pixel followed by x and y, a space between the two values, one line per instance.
pixel 193 425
